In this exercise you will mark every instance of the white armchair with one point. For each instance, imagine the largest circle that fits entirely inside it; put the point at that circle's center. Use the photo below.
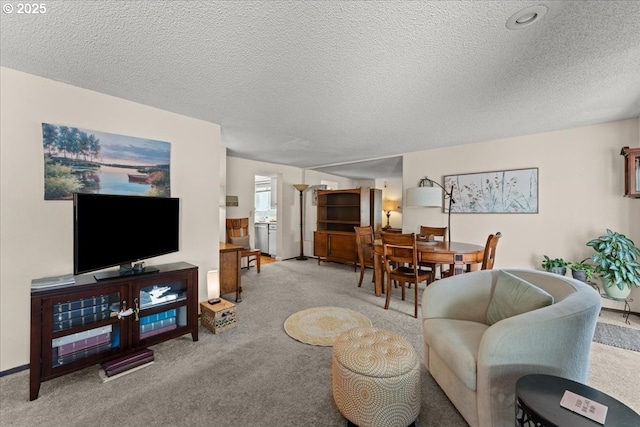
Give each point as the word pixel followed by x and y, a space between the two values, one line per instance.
pixel 477 365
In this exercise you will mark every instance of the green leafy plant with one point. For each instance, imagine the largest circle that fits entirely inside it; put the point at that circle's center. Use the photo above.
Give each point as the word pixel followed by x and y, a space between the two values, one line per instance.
pixel 549 263
pixel 616 259
pixel 589 269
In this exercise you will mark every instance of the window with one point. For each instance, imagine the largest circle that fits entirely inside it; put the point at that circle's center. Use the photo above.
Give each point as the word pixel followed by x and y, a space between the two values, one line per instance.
pixel 263 201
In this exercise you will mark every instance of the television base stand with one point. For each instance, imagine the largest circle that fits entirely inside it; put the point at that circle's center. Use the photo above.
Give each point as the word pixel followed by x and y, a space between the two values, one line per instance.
pixel 104 275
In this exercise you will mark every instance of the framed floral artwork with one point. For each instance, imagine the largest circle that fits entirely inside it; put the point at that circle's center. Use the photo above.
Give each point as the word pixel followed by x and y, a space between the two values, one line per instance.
pixel 507 191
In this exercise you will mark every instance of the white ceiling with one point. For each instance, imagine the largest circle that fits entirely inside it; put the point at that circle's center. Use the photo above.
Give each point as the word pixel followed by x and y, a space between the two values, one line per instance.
pixel 313 83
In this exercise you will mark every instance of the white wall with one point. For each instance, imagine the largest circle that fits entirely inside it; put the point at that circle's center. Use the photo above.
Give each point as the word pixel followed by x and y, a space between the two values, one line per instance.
pixel 580 192
pixel 36 235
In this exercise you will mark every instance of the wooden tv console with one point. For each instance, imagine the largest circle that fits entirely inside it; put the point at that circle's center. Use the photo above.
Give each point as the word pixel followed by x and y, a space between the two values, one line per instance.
pixel 76 326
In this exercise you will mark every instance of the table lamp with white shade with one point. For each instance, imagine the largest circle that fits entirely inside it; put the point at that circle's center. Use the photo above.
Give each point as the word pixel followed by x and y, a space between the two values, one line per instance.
pixel 213 286
pixel 389 206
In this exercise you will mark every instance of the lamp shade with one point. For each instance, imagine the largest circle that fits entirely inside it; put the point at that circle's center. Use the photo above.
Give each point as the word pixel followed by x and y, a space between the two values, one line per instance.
pixel 213 284
pixel 389 205
pixel 301 187
pixel 424 197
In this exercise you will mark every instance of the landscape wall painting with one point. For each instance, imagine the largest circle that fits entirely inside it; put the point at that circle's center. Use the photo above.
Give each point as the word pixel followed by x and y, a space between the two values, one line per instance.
pixel 507 191
pixel 85 161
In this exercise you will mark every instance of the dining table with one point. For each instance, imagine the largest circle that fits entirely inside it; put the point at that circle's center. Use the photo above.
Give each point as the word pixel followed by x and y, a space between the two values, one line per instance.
pixel 462 257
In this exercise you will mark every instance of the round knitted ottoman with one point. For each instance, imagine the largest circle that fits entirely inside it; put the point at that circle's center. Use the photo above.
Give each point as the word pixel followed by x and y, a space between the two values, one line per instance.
pixel 376 378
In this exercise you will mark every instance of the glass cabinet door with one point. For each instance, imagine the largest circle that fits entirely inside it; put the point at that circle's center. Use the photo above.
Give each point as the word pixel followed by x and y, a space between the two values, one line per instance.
pixel 84 326
pixel 162 307
pixel 631 171
pixel 637 167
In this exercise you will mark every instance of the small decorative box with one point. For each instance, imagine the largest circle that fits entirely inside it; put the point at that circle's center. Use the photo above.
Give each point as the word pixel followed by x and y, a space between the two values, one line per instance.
pixel 218 317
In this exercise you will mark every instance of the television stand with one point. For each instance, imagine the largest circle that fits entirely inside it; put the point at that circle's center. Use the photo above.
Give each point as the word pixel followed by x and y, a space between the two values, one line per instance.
pixel 90 322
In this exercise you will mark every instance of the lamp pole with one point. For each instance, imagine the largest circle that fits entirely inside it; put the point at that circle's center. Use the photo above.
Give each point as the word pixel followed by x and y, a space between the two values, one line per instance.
pixel 448 194
pixel 301 188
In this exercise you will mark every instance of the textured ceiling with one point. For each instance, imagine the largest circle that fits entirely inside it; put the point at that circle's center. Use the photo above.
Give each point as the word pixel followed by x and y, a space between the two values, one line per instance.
pixel 327 82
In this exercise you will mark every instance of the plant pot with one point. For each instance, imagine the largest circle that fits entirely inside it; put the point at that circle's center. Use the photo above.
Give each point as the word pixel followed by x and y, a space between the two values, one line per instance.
pixel 579 275
pixel 614 292
pixel 559 270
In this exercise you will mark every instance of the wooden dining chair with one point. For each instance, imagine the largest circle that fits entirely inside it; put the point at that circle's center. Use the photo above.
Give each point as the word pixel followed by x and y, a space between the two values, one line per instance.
pixel 439 234
pixel 434 231
pixel 490 251
pixel 364 245
pixel 400 257
pixel 238 234
pixel 489 254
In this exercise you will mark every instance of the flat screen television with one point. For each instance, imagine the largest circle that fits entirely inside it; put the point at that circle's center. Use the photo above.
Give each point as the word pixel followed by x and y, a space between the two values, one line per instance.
pixel 116 230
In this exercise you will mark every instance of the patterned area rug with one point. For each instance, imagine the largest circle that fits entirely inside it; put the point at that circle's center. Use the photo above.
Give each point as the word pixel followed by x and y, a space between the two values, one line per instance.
pixel 617 336
pixel 321 325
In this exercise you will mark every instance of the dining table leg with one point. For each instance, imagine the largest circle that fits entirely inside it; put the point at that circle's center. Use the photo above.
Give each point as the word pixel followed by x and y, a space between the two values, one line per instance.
pixel 464 267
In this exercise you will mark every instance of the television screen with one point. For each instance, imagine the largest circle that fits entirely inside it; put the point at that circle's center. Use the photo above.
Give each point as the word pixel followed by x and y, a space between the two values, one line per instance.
pixel 110 230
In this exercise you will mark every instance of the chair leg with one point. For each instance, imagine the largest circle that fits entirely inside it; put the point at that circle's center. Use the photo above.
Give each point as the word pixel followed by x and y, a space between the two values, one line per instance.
pixel 361 275
pixel 258 262
pixel 415 302
pixel 388 296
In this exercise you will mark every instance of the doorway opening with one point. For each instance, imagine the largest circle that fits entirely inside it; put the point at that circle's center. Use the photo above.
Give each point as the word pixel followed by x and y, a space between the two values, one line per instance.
pixel 266 213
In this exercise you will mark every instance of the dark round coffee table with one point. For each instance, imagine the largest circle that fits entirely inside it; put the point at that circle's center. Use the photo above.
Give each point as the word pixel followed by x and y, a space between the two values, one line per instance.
pixel 538 404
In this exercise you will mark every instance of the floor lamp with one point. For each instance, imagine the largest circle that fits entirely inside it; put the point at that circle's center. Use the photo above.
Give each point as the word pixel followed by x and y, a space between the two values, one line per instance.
pixel 301 188
pixel 425 196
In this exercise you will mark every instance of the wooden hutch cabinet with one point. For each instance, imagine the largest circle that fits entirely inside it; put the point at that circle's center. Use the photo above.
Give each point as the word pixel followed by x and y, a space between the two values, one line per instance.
pixel 631 171
pixel 339 211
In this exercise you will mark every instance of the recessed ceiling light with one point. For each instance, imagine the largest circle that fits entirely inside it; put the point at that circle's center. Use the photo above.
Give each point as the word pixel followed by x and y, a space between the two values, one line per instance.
pixel 526 16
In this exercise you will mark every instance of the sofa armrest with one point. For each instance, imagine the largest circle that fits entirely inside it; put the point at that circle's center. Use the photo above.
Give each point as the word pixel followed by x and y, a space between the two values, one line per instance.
pixel 463 297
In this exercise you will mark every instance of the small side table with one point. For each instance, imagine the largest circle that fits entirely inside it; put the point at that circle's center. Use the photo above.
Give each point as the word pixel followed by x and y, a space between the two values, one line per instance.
pixel 538 404
pixel 627 308
pixel 218 317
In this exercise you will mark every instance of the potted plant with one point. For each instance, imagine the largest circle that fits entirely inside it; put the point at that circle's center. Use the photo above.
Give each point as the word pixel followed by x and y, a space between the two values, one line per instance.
pixel 582 270
pixel 616 261
pixel 557 265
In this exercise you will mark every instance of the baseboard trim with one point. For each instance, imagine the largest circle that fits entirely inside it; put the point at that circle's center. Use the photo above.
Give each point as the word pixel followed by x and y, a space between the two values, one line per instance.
pixel 14 370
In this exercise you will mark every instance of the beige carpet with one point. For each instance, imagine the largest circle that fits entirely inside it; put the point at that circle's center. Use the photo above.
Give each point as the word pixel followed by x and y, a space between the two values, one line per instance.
pixel 322 325
pixel 613 370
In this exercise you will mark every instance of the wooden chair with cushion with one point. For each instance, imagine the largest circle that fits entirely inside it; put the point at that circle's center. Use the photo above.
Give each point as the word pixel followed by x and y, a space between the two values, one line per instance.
pixel 400 256
pixel 364 244
pixel 238 234
pixel 439 234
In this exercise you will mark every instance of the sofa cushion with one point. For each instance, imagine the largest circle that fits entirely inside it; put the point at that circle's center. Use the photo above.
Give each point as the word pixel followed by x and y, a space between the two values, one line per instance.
pixel 512 296
pixel 456 342
pixel 241 241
